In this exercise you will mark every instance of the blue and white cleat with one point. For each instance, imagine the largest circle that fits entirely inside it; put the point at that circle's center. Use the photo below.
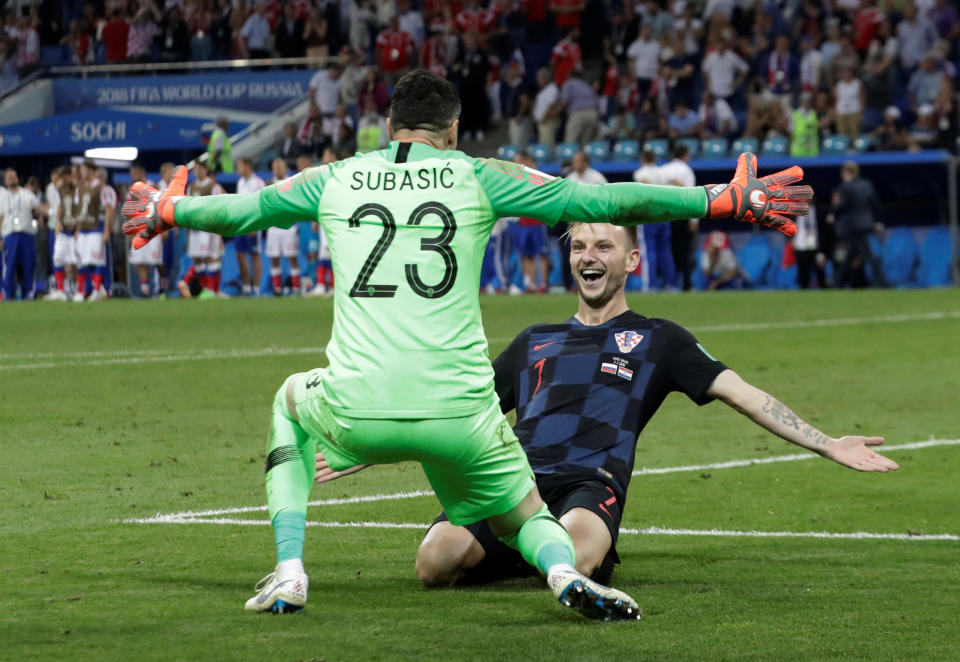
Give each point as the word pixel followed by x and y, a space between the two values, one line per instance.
pixel 591 599
pixel 280 594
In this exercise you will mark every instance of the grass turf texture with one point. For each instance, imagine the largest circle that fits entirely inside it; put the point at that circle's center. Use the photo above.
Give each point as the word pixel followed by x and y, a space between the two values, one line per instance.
pixel 86 444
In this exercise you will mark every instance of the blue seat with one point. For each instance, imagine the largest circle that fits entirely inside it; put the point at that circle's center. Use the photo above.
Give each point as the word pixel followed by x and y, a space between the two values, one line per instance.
pixel 714 148
pixel 692 145
pixel 743 144
pixel 898 254
pixel 786 278
pixel 507 152
pixel 934 267
pixel 775 146
pixel 540 152
pixel 626 150
pixel 835 144
pixel 862 143
pixel 756 259
pixel 598 150
pixel 659 147
pixel 565 151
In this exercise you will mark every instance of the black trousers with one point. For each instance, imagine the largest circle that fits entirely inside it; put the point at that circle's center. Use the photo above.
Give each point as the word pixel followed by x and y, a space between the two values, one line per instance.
pixel 681 245
pixel 807 263
pixel 859 253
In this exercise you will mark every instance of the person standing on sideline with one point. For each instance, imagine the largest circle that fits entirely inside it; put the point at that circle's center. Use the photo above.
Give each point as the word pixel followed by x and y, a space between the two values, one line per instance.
pixel 18 208
pixel 247 246
pixel 657 269
pixel 806 250
pixel 856 214
pixel 219 153
pixel 682 233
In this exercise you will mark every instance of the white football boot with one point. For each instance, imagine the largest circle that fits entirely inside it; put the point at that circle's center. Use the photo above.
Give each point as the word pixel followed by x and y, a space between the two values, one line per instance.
pixel 280 593
pixel 591 599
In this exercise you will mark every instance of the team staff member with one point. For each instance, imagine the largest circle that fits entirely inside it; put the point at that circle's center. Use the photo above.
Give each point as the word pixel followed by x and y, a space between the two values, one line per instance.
pixel 18 227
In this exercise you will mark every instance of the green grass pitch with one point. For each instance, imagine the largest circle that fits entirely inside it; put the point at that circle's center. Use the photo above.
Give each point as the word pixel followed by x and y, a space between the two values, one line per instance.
pixel 126 409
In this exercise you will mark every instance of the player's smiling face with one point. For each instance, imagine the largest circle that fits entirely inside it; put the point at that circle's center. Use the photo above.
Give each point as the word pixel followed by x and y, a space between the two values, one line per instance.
pixel 600 261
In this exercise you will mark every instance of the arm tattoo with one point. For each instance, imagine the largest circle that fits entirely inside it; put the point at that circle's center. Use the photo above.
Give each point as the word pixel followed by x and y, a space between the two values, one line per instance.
pixel 780 413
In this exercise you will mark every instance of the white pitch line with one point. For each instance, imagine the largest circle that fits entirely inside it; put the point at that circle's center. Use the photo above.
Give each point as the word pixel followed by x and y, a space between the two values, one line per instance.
pixel 649 531
pixel 190 515
pixel 370 498
pixel 152 356
pixel 730 464
pixel 803 324
pixel 186 355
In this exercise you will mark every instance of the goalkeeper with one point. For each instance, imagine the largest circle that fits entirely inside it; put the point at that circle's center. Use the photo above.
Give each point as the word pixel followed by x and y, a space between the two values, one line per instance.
pixel 409 377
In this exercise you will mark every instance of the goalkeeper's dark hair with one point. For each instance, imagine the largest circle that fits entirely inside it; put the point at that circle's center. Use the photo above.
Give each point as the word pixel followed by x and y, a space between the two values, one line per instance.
pixel 422 100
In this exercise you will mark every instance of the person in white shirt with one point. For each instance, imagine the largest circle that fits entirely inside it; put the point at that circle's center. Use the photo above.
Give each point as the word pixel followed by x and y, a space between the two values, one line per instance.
pixel 256 33
pixel 150 256
pixel 18 209
pixel 205 248
pixel 545 108
pixel 851 98
pixel 724 71
pixel 581 171
pixel 657 268
pixel 716 116
pixel 324 91
pixel 247 246
pixel 283 243
pixel 679 173
pixel 645 54
pixel 806 251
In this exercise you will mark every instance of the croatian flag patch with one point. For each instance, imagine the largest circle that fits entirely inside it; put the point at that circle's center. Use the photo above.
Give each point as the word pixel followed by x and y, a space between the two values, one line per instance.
pixel 627 340
pixel 609 368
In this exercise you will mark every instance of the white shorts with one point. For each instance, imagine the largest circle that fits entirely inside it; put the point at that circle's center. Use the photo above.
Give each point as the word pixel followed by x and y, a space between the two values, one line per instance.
pixel 324 252
pixel 65 250
pixel 91 250
pixel 149 255
pixel 282 242
pixel 202 244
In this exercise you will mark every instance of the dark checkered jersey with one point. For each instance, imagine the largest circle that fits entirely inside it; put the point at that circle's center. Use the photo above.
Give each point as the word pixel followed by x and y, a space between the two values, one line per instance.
pixel 584 393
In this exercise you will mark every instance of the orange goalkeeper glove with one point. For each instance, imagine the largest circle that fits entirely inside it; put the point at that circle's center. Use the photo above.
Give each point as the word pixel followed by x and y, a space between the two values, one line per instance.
pixel 769 200
pixel 151 212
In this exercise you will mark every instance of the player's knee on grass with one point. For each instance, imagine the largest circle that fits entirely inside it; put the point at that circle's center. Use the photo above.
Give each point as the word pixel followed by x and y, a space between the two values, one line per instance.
pixel 446 554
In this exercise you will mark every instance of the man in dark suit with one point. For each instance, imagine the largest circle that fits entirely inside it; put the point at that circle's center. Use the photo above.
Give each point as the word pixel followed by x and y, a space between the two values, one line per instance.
pixel 289 34
pixel 856 213
pixel 289 147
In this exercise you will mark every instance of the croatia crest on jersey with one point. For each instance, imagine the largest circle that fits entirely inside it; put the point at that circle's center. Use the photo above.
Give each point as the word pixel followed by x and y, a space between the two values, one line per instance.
pixel 627 340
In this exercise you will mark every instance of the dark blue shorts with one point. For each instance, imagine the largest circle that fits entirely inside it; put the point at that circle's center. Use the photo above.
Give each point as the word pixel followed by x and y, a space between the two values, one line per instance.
pixel 246 243
pixel 529 240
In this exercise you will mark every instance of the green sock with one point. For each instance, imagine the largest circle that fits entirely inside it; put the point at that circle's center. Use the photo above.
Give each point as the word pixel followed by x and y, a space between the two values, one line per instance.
pixel 542 541
pixel 289 477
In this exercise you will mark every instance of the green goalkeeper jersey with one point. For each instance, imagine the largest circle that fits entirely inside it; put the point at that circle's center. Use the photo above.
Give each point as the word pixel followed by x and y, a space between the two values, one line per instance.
pixel 407 228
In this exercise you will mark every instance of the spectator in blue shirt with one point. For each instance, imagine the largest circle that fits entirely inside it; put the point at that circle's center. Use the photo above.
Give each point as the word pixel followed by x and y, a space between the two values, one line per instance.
pixel 684 123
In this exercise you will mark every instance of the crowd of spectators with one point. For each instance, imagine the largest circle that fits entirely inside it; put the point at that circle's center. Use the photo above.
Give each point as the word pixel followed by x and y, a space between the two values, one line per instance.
pixel 562 70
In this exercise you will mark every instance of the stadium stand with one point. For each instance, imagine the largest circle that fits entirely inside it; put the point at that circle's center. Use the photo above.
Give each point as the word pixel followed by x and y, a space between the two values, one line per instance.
pixel 65 71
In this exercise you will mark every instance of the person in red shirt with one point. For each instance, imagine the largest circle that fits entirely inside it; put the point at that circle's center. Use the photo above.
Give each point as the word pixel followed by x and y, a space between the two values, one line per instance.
pixel 115 37
pixel 566 56
pixel 477 20
pixel 566 13
pixel 865 23
pixel 394 48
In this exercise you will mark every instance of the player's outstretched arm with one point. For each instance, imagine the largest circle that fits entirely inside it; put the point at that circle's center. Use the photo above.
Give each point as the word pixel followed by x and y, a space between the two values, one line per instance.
pixel 151 213
pixel 765 410
pixel 325 474
pixel 517 191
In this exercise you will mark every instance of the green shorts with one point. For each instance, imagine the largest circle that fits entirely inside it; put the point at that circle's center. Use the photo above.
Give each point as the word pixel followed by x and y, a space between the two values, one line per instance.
pixel 475 463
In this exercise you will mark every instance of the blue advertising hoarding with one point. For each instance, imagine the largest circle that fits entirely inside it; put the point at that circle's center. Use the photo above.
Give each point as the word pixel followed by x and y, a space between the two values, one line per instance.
pixel 256 92
pixel 75 132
